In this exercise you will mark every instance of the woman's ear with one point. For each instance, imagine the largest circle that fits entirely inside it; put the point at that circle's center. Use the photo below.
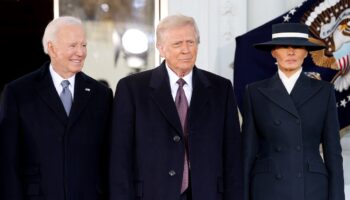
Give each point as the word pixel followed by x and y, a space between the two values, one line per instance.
pixel 306 53
pixel 273 53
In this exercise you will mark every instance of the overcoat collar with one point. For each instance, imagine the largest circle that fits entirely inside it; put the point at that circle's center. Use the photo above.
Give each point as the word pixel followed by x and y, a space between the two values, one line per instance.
pixel 161 94
pixel 83 91
pixel 46 90
pixel 302 92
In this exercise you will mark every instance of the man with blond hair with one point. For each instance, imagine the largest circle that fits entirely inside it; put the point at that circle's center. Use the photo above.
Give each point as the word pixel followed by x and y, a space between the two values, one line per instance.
pixel 175 130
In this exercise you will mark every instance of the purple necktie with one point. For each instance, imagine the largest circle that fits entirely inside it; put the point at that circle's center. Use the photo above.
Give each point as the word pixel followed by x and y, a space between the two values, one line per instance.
pixel 182 107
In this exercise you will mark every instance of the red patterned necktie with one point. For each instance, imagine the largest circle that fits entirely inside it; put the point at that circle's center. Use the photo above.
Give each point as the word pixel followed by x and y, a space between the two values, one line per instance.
pixel 182 107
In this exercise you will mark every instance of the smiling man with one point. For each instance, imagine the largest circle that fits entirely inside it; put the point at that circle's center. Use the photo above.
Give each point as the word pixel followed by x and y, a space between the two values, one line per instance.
pixel 54 124
pixel 175 129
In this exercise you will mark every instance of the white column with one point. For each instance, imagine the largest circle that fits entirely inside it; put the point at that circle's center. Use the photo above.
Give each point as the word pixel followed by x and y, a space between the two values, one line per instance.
pixel 219 22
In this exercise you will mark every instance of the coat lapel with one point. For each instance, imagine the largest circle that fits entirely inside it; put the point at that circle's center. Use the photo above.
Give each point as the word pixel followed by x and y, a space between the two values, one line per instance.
pixel 161 94
pixel 200 94
pixel 276 92
pixel 82 93
pixel 303 90
pixel 48 93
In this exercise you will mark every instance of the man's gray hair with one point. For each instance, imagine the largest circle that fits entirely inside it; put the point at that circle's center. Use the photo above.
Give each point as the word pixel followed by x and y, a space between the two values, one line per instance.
pixel 52 28
pixel 174 21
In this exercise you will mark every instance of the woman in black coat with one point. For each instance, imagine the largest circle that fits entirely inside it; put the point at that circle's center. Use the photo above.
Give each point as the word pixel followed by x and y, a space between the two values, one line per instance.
pixel 286 119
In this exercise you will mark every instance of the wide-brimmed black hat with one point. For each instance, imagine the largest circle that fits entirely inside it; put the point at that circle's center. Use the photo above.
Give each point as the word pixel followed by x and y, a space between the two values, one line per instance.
pixel 291 34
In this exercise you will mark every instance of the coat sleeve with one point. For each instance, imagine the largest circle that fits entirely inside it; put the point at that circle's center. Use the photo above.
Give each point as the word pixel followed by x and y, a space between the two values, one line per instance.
pixel 10 184
pixel 232 151
pixel 332 150
pixel 121 178
pixel 250 142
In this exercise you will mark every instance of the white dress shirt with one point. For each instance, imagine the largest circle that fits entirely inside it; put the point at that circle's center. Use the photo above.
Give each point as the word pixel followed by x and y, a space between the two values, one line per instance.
pixel 57 79
pixel 289 82
pixel 174 86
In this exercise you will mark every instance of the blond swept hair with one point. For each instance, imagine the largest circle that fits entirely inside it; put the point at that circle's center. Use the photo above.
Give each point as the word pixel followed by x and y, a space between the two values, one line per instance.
pixel 174 21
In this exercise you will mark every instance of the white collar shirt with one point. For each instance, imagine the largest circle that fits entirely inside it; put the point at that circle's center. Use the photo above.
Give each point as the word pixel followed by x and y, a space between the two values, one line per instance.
pixel 57 79
pixel 289 82
pixel 188 87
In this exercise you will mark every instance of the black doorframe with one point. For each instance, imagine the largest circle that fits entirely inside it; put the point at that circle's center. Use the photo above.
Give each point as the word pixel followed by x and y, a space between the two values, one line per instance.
pixel 22 26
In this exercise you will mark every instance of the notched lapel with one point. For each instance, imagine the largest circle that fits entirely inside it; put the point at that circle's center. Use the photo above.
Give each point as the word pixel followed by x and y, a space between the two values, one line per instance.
pixel 161 94
pixel 303 90
pixel 82 93
pixel 199 95
pixel 48 93
pixel 276 92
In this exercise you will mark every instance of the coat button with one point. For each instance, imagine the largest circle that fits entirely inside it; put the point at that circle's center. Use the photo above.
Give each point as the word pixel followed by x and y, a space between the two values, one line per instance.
pixel 172 173
pixel 279 176
pixel 176 138
pixel 298 148
pixel 278 149
pixel 297 121
pixel 277 122
pixel 299 175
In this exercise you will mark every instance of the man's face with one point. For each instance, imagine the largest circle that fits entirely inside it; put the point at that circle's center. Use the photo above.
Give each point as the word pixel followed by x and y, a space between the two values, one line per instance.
pixel 179 47
pixel 69 51
pixel 289 58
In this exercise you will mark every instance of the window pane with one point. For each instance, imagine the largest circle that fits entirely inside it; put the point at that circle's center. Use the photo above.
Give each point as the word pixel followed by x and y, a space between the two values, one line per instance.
pixel 120 35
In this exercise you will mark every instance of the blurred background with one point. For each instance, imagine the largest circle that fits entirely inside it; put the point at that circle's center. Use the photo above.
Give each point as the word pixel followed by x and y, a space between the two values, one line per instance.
pixel 120 35
pixel 121 38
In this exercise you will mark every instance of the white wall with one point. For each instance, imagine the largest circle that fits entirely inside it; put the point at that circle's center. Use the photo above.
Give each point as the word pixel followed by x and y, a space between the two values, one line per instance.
pixel 220 21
